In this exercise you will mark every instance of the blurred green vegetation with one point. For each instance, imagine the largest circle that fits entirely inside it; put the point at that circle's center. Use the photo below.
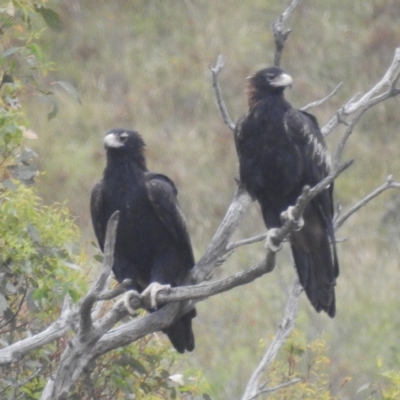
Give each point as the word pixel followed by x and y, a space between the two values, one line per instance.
pixel 143 64
pixel 41 264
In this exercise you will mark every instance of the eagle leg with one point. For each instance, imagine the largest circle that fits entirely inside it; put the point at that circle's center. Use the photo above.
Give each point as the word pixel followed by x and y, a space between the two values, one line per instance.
pixel 152 290
pixel 131 296
pixel 288 214
pixel 271 240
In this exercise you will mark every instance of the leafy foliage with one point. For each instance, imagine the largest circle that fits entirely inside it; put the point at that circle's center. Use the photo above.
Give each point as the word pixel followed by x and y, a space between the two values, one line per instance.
pixel 36 256
pixel 307 362
pixel 149 369
pixel 39 261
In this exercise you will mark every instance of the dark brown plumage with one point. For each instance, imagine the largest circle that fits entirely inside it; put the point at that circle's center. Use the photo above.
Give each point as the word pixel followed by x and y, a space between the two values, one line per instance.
pixel 281 150
pixel 152 242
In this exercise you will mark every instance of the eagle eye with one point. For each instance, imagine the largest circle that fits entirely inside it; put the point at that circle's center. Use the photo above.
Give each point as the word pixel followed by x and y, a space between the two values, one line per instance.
pixel 123 136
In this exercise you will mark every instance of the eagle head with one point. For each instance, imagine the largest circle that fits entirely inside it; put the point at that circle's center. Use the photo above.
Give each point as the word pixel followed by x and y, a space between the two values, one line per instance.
pixel 123 141
pixel 270 79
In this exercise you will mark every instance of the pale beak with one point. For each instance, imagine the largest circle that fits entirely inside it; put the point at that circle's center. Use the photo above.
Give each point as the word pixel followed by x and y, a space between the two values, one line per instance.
pixel 111 140
pixel 283 80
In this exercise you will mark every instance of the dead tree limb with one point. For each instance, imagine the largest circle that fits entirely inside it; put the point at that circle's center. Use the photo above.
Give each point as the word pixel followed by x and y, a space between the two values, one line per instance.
pixel 280 34
pixel 252 389
pixel 358 104
pixel 215 71
pixel 389 184
pixel 319 102
pixel 70 364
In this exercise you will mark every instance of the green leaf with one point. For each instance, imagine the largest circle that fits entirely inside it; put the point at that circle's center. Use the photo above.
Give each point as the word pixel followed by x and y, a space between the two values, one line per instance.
pixel 70 90
pixel 36 51
pixel 136 365
pixel 51 18
pixel 99 258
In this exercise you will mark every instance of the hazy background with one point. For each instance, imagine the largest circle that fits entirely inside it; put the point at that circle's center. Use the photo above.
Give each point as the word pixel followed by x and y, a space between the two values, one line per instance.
pixel 143 65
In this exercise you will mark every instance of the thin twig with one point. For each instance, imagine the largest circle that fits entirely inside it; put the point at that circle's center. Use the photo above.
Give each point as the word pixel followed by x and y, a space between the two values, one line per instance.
pixel 23 383
pixel 221 104
pixel 16 380
pixel 275 388
pixel 319 102
pixel 245 242
pixel 280 35
pixel 15 314
pixel 389 184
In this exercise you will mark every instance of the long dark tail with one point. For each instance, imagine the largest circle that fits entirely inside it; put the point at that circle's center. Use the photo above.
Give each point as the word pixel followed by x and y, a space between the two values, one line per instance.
pixel 181 334
pixel 316 275
pixel 314 253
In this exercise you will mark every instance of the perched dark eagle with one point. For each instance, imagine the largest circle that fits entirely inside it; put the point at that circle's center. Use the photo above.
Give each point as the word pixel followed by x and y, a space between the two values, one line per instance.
pixel 152 241
pixel 281 150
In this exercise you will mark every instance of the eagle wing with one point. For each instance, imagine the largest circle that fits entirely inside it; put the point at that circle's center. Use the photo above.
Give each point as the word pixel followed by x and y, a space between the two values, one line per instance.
pixel 98 214
pixel 162 194
pixel 316 263
pixel 304 130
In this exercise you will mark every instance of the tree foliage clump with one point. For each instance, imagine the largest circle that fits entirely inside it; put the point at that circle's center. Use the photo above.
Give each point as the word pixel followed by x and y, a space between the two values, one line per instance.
pixel 39 261
pixel 35 246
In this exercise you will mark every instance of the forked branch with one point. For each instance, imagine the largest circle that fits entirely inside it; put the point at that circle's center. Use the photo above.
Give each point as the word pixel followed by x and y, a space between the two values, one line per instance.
pixel 280 34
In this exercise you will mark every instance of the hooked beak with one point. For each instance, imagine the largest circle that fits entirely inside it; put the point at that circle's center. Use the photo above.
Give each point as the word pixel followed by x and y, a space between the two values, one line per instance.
pixel 283 80
pixel 111 140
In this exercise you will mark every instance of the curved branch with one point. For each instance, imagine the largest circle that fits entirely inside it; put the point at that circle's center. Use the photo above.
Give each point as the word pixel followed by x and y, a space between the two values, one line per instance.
pixel 221 104
pixel 359 104
pixel 56 330
pixel 274 389
pixel 245 242
pixel 389 184
pixel 319 102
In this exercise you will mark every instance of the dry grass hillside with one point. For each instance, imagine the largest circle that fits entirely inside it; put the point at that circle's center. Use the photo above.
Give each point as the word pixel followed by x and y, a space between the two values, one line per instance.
pixel 143 65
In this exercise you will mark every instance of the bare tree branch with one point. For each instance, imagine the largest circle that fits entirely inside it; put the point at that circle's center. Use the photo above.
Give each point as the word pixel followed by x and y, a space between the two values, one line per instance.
pixel 221 104
pixel 218 244
pixel 319 102
pixel 70 363
pixel 56 330
pixel 374 96
pixel 85 309
pixel 389 184
pixel 245 242
pixel 281 35
pixel 276 388
pixel 219 248
pixel 252 390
